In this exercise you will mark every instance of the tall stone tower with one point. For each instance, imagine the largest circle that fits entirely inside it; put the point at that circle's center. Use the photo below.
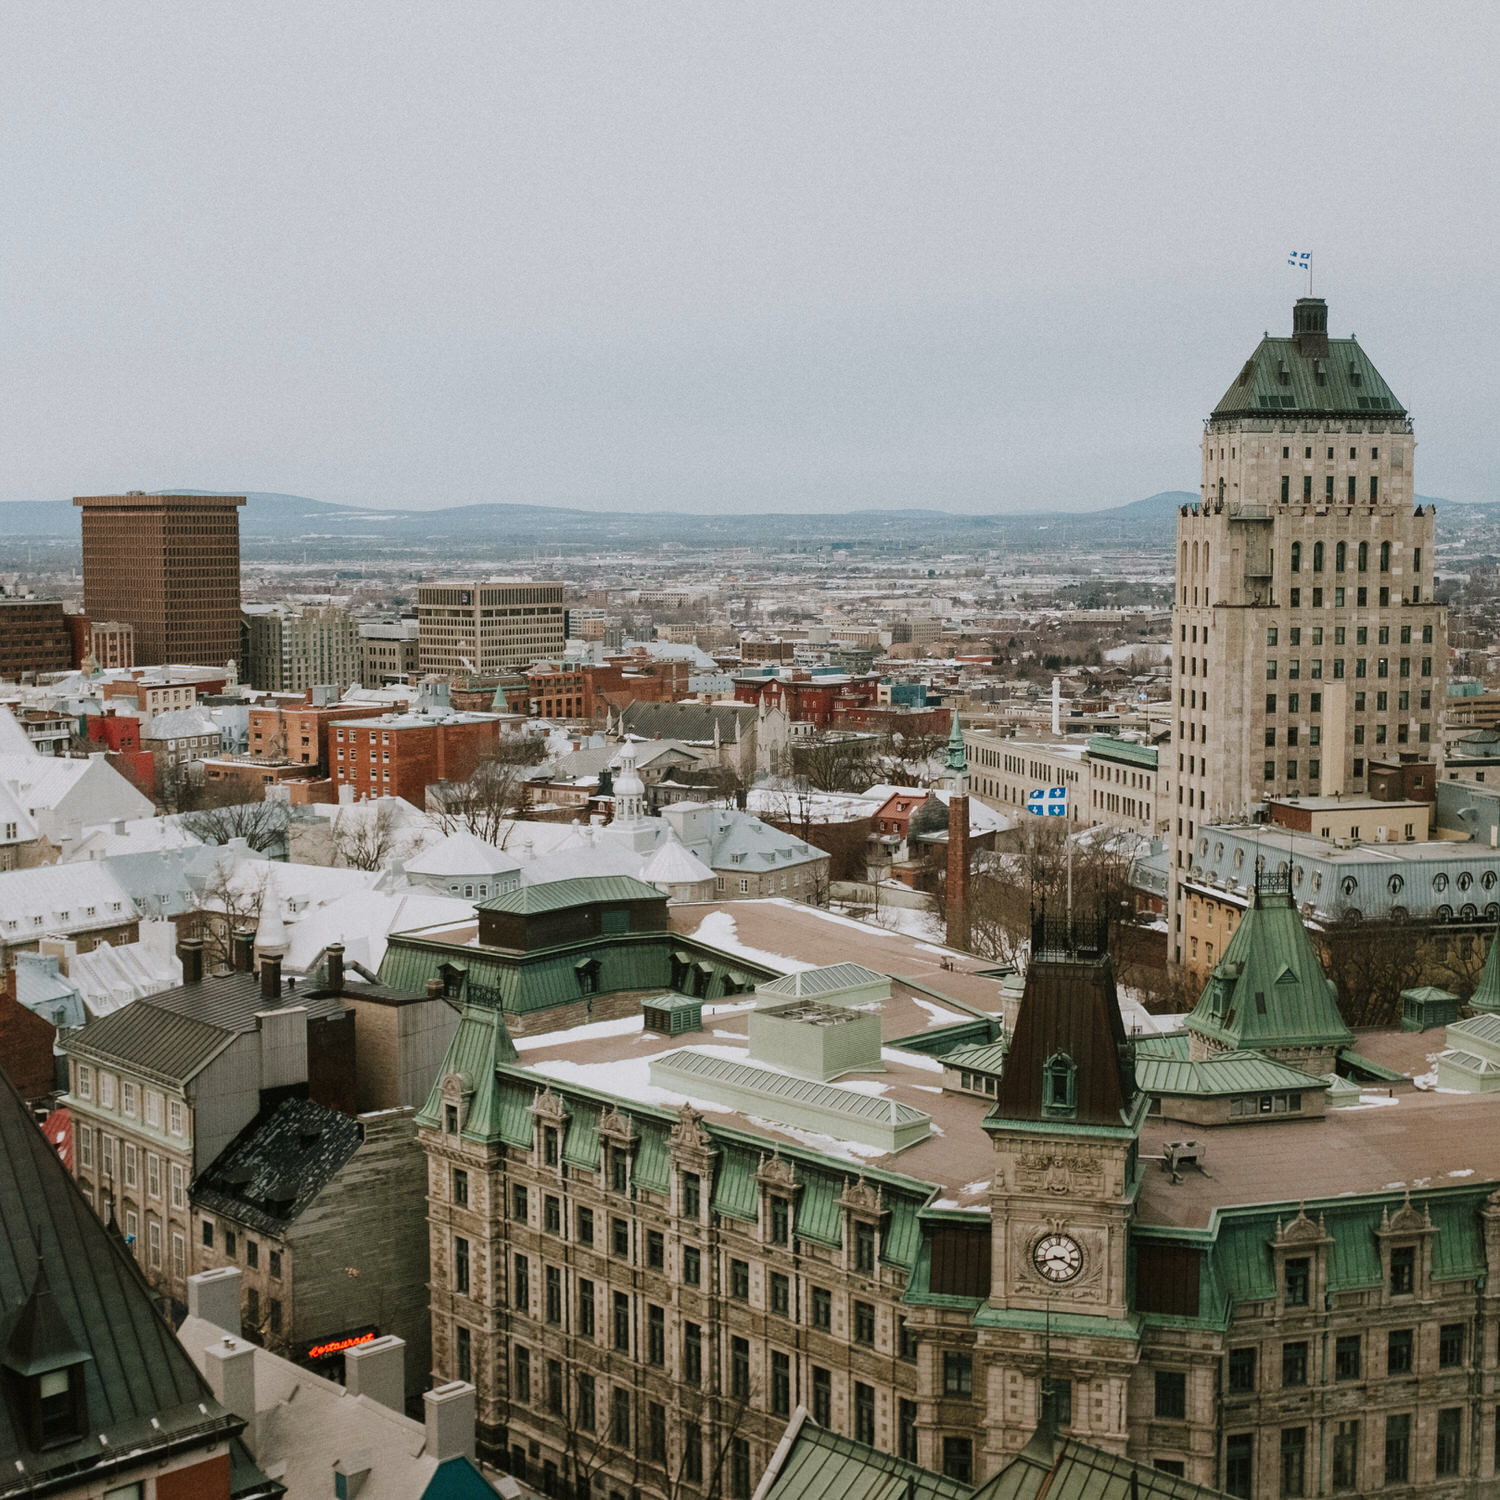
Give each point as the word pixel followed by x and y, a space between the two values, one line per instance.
pixel 1306 642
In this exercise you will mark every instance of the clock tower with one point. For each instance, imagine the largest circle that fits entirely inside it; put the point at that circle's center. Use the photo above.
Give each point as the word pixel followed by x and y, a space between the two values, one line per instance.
pixel 1064 1130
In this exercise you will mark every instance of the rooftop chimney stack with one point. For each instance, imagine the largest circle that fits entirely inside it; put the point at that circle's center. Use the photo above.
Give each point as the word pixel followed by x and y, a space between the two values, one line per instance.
pixel 190 951
pixel 243 948
pixel 214 1296
pixel 336 968
pixel 229 1368
pixel 378 1370
pixel 270 977
pixel 450 1413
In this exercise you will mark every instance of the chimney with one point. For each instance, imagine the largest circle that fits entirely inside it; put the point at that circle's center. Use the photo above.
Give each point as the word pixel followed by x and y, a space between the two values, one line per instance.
pixel 1310 326
pixel 350 1474
pixel 214 1296
pixel 378 1370
pixel 242 946
pixel 270 977
pixel 434 988
pixel 190 951
pixel 959 860
pixel 229 1368
pixel 450 1413
pixel 336 968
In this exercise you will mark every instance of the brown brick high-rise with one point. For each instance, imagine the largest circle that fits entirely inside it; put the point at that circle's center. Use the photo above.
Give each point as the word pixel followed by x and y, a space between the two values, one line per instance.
pixel 170 566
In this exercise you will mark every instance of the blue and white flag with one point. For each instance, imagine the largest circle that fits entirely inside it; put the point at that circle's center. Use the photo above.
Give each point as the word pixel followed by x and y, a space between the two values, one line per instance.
pixel 1300 260
pixel 1048 802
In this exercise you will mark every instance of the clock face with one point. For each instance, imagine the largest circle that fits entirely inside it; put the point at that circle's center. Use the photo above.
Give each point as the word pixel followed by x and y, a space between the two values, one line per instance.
pixel 1057 1257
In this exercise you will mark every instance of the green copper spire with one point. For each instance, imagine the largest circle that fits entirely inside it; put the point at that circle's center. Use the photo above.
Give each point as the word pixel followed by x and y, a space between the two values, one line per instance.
pixel 1486 995
pixel 957 763
pixel 1269 992
pixel 478 1046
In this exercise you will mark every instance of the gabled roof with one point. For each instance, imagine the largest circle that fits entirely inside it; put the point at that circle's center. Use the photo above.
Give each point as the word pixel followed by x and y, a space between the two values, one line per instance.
pixel 141 1390
pixel 274 1168
pixel 1225 1073
pixel 813 1463
pixel 693 722
pixel 1269 989
pixel 825 981
pixel 584 890
pixel 177 1033
pixel 1064 1469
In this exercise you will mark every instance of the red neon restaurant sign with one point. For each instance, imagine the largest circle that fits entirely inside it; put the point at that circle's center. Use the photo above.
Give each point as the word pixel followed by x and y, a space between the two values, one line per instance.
pixel 337 1346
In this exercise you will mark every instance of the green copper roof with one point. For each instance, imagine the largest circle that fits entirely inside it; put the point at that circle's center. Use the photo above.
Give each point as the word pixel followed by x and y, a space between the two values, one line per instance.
pixel 977 1059
pixel 1052 1467
pixel 815 1464
pixel 1228 1073
pixel 956 758
pixel 1487 995
pixel 1279 378
pixel 1269 989
pixel 480 1043
pixel 1111 747
pixel 585 890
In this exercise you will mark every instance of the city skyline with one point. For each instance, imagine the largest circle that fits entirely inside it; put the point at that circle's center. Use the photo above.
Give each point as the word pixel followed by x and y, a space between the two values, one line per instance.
pixel 859 260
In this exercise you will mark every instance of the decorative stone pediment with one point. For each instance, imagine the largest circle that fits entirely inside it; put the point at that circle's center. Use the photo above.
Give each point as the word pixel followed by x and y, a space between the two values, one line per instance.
pixel 618 1129
pixel 777 1175
pixel 688 1137
pixel 1301 1233
pixel 455 1087
pixel 859 1197
pixel 1406 1220
pixel 548 1107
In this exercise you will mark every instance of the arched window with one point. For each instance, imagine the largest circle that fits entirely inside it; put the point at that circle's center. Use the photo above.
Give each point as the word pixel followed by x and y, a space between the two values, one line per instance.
pixel 1385 557
pixel 1340 557
pixel 1317 557
pixel 1060 1085
pixel 1296 557
pixel 1364 557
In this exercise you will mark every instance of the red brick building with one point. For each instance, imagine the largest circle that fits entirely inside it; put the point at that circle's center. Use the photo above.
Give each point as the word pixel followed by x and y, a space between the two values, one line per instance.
pixel 33 637
pixel 298 732
pixel 121 733
pixel 401 755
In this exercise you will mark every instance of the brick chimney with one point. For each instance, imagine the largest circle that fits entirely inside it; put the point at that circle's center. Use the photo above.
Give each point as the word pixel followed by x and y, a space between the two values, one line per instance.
pixel 959 856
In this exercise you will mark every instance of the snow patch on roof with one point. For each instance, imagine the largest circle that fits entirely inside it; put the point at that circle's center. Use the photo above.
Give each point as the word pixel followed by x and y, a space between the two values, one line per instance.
pixel 718 930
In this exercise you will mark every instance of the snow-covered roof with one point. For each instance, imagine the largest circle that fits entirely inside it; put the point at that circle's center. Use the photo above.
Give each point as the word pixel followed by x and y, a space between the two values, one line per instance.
pixel 60 899
pixel 672 864
pixel 362 921
pixel 463 853
pixel 42 783
pixel 13 739
pixel 178 724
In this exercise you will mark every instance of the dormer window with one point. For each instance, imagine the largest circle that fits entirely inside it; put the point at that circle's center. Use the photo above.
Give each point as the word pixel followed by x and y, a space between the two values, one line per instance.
pixel 1060 1085
pixel 1403 1270
pixel 1297 1281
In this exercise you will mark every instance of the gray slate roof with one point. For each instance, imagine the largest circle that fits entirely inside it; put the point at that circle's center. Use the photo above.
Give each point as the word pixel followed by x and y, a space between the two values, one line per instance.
pixel 176 1034
pixel 135 1371
pixel 274 1168
pixel 693 722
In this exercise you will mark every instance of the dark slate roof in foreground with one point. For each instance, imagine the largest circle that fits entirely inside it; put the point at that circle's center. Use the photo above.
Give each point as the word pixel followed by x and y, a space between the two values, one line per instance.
pixel 135 1370
pixel 269 1173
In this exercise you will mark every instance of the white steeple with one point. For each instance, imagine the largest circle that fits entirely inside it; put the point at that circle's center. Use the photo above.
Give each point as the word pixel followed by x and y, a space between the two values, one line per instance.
pixel 630 790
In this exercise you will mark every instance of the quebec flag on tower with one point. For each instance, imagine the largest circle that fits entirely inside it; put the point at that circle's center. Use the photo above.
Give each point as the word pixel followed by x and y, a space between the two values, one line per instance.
pixel 1048 802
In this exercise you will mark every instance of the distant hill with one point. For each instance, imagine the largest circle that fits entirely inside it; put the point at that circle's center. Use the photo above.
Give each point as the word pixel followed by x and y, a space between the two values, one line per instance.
pixel 1167 503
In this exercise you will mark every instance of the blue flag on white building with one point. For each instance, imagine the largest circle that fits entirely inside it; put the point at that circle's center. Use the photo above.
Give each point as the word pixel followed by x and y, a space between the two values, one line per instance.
pixel 1299 260
pixel 1048 802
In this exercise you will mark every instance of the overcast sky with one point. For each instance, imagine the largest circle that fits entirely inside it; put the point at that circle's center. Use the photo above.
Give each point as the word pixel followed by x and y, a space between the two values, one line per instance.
pixel 721 256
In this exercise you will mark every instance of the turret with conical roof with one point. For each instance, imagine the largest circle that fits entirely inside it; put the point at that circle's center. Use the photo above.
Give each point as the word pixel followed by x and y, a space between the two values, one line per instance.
pixel 1486 996
pixel 1269 992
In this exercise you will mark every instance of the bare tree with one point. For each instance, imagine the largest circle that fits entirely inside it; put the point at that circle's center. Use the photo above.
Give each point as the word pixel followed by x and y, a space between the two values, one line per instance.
pixel 835 763
pixel 229 901
pixel 361 841
pixel 489 800
pixel 262 824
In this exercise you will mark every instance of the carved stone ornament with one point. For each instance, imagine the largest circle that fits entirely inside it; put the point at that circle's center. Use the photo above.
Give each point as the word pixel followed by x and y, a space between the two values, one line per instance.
pixel 455 1087
pixel 687 1136
pixel 549 1107
pixel 617 1128
pixel 1301 1231
pixel 1406 1220
pixel 1072 1173
pixel 776 1173
pixel 859 1197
